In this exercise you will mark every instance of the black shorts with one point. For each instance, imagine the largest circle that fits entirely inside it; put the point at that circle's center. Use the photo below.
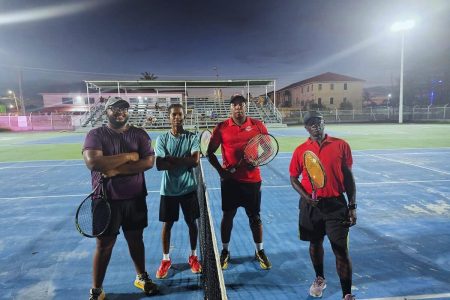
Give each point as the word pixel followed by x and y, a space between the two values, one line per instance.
pixel 325 219
pixel 129 214
pixel 237 194
pixel 169 207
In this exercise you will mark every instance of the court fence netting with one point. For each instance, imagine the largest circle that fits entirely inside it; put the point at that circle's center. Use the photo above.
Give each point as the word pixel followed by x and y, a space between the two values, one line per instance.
pixel 212 276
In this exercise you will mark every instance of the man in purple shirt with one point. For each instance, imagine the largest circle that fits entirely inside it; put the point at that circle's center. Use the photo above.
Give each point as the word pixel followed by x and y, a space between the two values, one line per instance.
pixel 120 153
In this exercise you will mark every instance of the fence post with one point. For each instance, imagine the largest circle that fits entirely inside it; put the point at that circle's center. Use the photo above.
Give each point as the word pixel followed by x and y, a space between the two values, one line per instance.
pixel 31 121
pixel 428 111
pixel 445 107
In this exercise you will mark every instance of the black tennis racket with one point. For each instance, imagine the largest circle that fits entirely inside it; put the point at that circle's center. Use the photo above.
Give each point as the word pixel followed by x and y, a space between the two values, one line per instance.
pixel 94 213
pixel 259 150
pixel 205 138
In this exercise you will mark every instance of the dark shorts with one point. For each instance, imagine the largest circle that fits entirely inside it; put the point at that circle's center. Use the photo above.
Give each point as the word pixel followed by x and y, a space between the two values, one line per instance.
pixel 169 207
pixel 325 219
pixel 129 214
pixel 237 194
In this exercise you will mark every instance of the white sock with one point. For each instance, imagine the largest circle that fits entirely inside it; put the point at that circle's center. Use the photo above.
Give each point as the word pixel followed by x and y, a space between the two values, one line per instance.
pixel 259 246
pixel 225 246
pixel 166 256
pixel 194 252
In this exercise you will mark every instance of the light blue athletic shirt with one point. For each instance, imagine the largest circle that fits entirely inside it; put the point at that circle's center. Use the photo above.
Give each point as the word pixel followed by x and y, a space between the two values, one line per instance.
pixel 179 181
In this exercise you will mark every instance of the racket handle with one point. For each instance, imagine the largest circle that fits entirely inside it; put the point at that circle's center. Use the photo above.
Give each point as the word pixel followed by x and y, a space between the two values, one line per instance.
pixel 232 170
pixel 314 195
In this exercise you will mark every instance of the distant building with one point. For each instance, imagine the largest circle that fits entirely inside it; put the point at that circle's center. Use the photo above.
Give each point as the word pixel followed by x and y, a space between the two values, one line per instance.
pixel 328 90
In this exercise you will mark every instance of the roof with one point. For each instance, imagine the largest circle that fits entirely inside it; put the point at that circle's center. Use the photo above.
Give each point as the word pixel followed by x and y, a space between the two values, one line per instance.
pixel 114 84
pixel 325 77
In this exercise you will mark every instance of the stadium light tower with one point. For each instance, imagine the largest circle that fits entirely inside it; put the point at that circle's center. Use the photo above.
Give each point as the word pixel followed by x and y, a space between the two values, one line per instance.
pixel 402 27
pixel 15 99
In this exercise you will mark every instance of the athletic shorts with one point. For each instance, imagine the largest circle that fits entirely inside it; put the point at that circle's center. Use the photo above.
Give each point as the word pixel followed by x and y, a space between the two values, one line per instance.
pixel 325 219
pixel 237 194
pixel 169 207
pixel 129 214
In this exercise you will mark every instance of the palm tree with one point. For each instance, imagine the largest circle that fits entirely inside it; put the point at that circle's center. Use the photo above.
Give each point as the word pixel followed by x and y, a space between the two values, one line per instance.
pixel 148 76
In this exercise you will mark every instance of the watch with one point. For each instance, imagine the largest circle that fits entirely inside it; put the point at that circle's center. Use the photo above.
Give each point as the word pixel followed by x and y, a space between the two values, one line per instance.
pixel 352 206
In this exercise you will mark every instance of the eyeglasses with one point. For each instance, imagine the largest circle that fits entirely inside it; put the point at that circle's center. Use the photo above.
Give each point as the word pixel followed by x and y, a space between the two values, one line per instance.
pixel 116 110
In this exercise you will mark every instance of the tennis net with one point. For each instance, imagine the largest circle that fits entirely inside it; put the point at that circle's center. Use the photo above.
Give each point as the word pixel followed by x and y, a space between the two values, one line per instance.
pixel 212 276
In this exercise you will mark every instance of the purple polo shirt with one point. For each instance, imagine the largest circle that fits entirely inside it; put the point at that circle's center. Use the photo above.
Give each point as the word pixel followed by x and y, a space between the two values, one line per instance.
pixel 110 142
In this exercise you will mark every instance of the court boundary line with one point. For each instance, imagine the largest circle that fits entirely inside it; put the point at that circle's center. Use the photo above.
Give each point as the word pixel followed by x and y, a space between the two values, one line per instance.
pixel 412 297
pixel 357 184
pixel 410 164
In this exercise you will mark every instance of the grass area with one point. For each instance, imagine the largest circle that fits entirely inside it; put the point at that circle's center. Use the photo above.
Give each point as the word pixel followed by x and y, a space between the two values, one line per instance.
pixel 67 145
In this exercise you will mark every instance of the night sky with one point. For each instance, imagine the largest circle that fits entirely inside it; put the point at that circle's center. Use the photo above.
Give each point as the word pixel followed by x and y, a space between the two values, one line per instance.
pixel 287 40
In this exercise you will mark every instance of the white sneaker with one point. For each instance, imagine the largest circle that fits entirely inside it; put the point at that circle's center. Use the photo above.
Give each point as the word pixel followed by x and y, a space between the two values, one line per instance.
pixel 316 289
pixel 349 297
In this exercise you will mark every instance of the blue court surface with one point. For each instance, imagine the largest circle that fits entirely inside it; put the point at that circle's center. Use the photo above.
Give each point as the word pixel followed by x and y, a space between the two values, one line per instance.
pixel 400 247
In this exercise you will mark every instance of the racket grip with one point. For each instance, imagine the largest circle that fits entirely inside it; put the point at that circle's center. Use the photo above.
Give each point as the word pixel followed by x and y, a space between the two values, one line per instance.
pixel 314 195
pixel 232 170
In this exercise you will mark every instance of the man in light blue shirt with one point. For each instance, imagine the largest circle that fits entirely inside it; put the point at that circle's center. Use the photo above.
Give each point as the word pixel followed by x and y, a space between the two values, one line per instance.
pixel 177 153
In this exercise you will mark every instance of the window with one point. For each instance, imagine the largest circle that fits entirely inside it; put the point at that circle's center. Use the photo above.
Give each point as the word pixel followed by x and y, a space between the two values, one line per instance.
pixel 67 100
pixel 319 101
pixel 302 90
pixel 345 86
pixel 344 100
pixel 320 86
pixel 312 87
pixel 307 88
pixel 331 86
pixel 331 100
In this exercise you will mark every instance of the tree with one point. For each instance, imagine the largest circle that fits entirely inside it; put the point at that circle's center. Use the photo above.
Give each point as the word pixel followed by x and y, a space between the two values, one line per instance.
pixel 148 76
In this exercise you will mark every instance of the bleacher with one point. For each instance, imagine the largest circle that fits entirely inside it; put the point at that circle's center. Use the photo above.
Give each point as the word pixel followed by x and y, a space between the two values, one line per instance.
pixel 201 112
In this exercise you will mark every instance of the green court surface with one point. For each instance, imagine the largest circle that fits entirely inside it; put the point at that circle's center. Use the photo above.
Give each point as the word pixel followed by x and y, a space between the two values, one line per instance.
pixel 67 145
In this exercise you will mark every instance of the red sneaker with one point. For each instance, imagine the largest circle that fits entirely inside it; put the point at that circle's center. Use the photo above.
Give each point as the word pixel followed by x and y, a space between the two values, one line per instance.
pixel 195 265
pixel 163 269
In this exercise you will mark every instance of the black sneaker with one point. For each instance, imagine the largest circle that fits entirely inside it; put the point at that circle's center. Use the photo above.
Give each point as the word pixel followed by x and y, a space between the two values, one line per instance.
pixel 96 294
pixel 224 258
pixel 144 283
pixel 263 260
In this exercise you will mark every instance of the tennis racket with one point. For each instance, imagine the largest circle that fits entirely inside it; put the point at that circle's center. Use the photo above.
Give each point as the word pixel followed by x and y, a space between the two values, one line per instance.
pixel 205 137
pixel 316 172
pixel 94 213
pixel 259 150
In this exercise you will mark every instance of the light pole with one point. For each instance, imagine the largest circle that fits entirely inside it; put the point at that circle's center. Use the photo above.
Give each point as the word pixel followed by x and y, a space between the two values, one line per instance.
pixel 401 27
pixel 15 100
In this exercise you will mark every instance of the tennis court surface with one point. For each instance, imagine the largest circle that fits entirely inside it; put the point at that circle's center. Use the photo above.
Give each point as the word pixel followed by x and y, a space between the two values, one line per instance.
pixel 399 248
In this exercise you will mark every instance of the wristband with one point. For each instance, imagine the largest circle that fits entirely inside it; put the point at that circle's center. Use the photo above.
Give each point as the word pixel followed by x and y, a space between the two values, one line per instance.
pixel 352 206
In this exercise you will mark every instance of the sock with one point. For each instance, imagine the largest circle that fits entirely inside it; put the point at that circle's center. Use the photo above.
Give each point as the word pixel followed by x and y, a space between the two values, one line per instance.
pixel 166 256
pixel 194 252
pixel 259 246
pixel 319 270
pixel 225 246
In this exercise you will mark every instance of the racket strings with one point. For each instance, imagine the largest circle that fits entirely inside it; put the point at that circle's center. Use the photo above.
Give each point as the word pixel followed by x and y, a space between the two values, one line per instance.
pixel 261 149
pixel 93 215
pixel 204 142
pixel 315 170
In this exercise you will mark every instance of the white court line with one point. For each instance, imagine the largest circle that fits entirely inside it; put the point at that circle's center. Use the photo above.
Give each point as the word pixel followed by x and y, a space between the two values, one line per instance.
pixel 411 164
pixel 55 196
pixel 413 297
pixel 41 166
pixel 357 184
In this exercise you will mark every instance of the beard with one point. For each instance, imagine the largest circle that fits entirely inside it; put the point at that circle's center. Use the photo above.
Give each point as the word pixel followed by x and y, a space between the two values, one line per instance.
pixel 117 124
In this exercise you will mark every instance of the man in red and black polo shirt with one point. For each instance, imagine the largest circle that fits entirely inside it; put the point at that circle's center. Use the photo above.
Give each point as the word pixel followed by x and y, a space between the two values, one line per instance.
pixel 241 185
pixel 329 214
